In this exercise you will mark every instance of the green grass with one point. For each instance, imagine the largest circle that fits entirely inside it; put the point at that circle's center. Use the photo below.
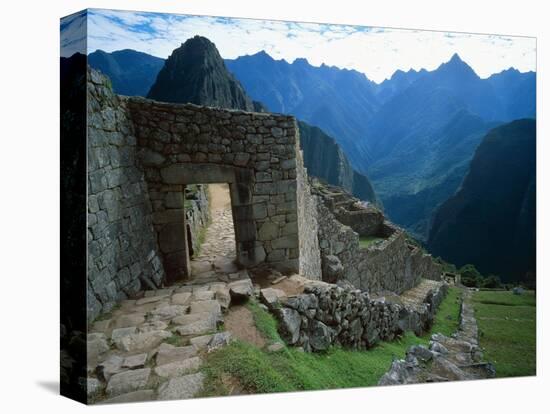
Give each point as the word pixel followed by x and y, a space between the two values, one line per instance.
pixel 259 371
pixel 366 241
pixel 175 340
pixel 265 322
pixel 507 325
pixel 447 317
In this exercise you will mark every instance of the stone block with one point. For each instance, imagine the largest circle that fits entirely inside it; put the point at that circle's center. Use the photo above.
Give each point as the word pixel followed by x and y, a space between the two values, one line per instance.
pixel 285 242
pixel 178 368
pixel 182 387
pixel 127 381
pixel 268 231
pixel 172 237
pixel 167 353
pixel 259 211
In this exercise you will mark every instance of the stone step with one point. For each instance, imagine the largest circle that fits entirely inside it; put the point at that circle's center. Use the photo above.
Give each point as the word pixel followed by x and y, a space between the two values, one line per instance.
pixel 187 386
pixel 178 368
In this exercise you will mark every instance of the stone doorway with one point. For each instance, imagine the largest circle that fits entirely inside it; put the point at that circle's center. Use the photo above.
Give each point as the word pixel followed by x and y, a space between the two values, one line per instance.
pixel 217 251
pixel 232 198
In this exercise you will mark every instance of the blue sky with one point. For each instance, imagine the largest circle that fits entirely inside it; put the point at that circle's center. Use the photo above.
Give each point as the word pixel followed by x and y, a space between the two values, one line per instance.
pixel 377 52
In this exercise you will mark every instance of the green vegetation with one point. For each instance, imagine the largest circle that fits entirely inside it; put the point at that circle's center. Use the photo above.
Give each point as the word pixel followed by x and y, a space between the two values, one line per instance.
pixel 366 241
pixel 498 189
pixel 201 236
pixel 175 340
pixel 507 325
pixel 257 370
pixel 447 317
pixel 471 277
pixel 264 321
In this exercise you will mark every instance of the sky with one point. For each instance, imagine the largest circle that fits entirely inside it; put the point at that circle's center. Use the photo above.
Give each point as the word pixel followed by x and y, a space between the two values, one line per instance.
pixel 377 52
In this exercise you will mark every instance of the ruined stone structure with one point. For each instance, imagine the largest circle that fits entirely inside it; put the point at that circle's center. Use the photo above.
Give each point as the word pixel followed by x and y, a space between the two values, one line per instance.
pixel 254 153
pixel 142 155
pixel 390 264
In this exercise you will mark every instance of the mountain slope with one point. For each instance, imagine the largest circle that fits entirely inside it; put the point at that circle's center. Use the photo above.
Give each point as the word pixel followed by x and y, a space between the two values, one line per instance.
pixel 196 73
pixel 337 100
pixel 517 92
pixel 132 73
pixel 425 137
pixel 398 82
pixel 491 221
pixel 324 159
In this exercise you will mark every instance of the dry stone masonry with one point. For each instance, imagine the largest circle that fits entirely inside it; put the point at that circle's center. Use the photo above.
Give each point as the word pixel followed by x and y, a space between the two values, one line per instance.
pixel 327 314
pixel 254 153
pixel 144 154
pixel 389 264
pixel 123 255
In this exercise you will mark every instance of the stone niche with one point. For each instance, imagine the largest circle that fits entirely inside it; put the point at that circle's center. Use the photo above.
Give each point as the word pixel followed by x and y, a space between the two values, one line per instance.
pixel 255 153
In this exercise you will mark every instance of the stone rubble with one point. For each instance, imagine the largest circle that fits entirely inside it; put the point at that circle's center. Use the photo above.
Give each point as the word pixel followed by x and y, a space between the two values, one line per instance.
pixel 455 358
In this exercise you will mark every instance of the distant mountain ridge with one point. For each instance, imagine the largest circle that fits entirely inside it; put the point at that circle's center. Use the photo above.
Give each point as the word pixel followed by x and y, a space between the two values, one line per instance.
pixel 427 134
pixel 134 82
pixel 196 73
pixel 413 134
pixel 491 221
pixel 339 101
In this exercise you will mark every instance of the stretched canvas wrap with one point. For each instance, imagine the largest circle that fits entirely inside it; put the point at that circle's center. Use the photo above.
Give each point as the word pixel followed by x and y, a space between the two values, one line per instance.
pixel 255 206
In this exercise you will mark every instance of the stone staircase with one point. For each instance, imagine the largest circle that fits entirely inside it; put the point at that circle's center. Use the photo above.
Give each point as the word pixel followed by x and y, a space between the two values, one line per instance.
pixel 152 348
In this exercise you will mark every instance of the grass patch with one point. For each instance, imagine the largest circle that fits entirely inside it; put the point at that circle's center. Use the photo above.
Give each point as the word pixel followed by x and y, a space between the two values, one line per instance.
pixel 291 370
pixel 366 241
pixel 507 325
pixel 175 340
pixel 447 316
pixel 264 321
pixel 259 371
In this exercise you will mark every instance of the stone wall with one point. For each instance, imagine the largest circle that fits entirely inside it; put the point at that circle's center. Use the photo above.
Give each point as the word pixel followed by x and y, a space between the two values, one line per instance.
pixel 255 153
pixel 327 314
pixel 197 215
pixel 122 247
pixel 143 156
pixel 308 227
pixel 390 264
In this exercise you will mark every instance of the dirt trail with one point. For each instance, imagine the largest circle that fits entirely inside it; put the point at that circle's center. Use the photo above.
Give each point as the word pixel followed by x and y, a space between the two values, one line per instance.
pixel 219 197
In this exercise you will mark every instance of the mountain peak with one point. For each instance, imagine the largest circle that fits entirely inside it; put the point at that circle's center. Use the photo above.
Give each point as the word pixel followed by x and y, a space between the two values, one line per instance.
pixel 301 62
pixel 196 73
pixel 456 58
pixel 456 67
pixel 263 54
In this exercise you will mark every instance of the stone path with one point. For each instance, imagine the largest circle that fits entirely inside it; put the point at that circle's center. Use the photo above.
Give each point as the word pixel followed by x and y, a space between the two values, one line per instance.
pixel 417 295
pixel 219 241
pixel 153 347
pixel 453 358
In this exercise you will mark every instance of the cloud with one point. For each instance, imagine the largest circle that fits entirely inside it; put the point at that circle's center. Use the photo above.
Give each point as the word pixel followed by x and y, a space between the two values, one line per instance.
pixel 73 34
pixel 377 52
